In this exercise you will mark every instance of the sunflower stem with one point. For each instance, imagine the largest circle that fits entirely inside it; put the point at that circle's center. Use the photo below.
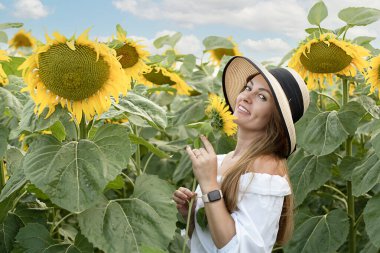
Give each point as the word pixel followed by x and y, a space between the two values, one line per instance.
pixel 2 174
pixel 83 128
pixel 189 217
pixel 350 196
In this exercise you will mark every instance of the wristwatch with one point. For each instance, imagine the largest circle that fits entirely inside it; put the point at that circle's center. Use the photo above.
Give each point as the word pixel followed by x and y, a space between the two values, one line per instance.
pixel 212 196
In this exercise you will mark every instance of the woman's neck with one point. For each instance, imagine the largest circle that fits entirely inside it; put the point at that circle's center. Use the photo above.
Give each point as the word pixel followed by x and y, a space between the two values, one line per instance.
pixel 244 140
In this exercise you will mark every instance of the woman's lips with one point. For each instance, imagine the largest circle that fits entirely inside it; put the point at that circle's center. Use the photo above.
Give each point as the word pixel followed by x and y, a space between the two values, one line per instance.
pixel 242 109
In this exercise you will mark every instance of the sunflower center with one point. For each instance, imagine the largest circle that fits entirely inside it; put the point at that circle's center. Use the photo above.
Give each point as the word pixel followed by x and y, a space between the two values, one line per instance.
pixel 216 119
pixel 72 74
pixel 158 77
pixel 22 41
pixel 129 56
pixel 325 59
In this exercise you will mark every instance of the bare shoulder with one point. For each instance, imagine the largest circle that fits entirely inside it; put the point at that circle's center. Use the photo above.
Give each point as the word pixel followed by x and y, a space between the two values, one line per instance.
pixel 269 165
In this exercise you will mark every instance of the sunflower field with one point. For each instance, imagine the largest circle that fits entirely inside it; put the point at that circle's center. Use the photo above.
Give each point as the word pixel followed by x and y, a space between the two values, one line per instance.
pixel 92 138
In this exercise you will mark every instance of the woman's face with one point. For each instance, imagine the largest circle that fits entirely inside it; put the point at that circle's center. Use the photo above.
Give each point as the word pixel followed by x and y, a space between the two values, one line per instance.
pixel 254 105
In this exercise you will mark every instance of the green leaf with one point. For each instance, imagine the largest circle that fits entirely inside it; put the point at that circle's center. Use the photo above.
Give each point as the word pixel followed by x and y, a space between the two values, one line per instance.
pixel 4 133
pixel 324 133
pixel 347 165
pixel 32 123
pixel 10 25
pixel 366 175
pixel 35 238
pixel 8 100
pixel 14 184
pixel 214 42
pixel 188 65
pixel 317 13
pixel 10 68
pixel 170 40
pixel 309 174
pixel 361 40
pixel 121 30
pixel 359 16
pixel 147 218
pixel 8 231
pixel 325 233
pixel 74 174
pixel 142 107
pixel 316 30
pixel 192 112
pixel 372 220
pixel 138 140
pixel 202 218
pixel 350 114
pixel 183 169
pixel 147 249
pixel 58 130
pixel 3 37
pixel 369 105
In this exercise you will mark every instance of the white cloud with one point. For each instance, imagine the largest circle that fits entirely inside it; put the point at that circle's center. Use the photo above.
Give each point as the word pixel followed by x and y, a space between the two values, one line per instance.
pixel 287 17
pixel 2 7
pixel 276 45
pixel 34 9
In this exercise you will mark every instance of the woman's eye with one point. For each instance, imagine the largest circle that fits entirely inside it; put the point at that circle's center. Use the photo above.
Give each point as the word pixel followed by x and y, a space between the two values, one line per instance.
pixel 262 97
pixel 247 88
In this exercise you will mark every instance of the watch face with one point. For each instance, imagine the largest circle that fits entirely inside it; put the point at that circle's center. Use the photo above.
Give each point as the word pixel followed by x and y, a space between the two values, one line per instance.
pixel 214 195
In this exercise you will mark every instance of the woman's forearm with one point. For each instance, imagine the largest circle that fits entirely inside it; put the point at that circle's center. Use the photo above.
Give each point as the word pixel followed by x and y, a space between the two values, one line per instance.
pixel 220 222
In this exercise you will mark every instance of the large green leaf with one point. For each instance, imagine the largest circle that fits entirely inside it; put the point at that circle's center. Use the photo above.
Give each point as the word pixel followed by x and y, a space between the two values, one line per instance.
pixel 147 218
pixel 189 113
pixel 33 123
pixel 10 68
pixel 360 16
pixel 8 231
pixel 139 140
pixel 324 233
pixel 4 132
pixel 324 133
pixel 350 115
pixel 140 106
pixel 317 13
pixel 366 175
pixel 15 183
pixel 188 65
pixel 214 42
pixel 74 174
pixel 8 100
pixel 170 40
pixel 369 105
pixel 309 173
pixel 372 219
pixel 35 238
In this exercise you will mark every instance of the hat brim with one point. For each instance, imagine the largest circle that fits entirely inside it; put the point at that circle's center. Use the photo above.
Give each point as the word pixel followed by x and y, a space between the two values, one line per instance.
pixel 235 76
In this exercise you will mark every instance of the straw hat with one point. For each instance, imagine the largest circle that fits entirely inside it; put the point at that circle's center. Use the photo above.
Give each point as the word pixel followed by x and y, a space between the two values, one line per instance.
pixel 290 92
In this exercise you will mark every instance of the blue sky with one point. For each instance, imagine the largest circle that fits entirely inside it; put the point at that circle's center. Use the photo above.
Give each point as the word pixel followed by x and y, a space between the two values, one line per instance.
pixel 263 29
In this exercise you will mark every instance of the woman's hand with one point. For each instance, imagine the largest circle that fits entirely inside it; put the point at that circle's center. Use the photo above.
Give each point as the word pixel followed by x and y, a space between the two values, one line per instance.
pixel 204 165
pixel 182 198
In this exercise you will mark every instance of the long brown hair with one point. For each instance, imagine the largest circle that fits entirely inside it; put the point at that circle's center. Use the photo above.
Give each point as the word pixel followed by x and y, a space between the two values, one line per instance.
pixel 274 143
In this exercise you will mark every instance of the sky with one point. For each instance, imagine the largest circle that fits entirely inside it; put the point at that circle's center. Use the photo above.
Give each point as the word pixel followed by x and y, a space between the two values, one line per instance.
pixel 265 30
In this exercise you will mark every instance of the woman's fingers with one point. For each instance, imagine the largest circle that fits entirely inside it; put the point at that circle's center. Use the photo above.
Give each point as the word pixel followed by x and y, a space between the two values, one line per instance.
pixel 207 145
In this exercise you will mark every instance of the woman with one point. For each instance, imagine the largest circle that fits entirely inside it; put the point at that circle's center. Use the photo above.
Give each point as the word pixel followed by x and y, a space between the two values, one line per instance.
pixel 247 193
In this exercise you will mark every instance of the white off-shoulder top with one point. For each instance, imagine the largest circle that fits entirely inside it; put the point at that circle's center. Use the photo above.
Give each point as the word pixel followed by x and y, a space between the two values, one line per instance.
pixel 256 218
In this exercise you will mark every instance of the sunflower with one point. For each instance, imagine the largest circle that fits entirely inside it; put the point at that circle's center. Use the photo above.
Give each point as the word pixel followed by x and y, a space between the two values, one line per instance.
pixel 373 74
pixel 78 74
pixel 217 54
pixel 322 57
pixel 157 75
pixel 221 117
pixel 22 39
pixel 3 76
pixel 131 56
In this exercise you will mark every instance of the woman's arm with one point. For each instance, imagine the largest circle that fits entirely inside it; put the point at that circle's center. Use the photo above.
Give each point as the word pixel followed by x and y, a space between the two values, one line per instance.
pixel 220 222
